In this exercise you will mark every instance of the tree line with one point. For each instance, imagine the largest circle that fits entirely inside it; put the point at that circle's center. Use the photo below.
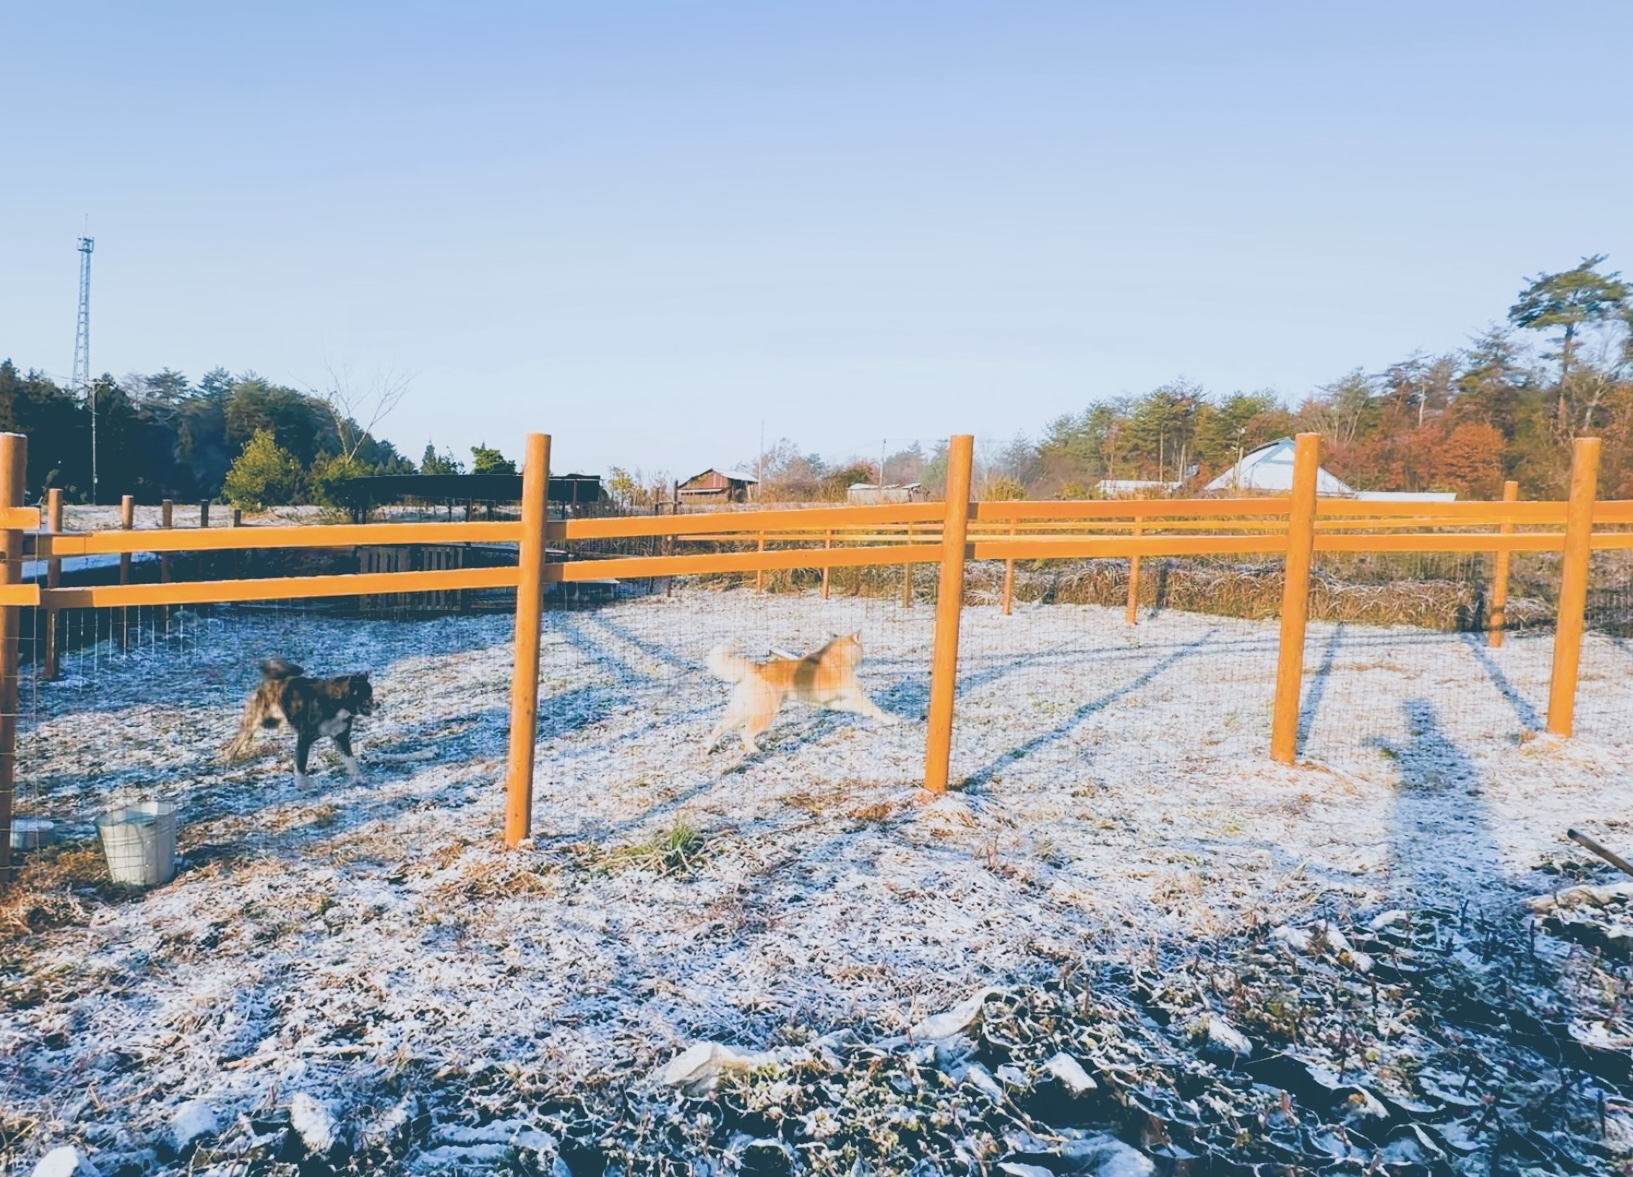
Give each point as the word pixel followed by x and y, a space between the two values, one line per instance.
pixel 239 438
pixel 1505 406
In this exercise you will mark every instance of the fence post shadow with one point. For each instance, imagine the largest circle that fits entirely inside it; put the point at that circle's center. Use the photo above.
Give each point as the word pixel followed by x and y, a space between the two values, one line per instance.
pixel 1015 755
pixel 1440 838
pixel 1527 714
pixel 1318 688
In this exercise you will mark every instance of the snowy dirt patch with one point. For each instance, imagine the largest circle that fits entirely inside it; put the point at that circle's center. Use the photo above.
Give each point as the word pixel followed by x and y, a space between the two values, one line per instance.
pixel 370 947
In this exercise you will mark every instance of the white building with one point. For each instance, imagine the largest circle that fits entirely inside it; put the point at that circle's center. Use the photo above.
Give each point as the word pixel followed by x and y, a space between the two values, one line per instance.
pixel 1135 488
pixel 1269 469
pixel 866 492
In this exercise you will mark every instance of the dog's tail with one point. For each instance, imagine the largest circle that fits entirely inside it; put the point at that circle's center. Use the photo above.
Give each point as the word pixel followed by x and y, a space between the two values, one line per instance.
pixel 723 664
pixel 280 668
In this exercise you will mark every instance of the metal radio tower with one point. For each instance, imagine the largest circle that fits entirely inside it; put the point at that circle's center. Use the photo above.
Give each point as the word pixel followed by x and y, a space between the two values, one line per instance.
pixel 81 380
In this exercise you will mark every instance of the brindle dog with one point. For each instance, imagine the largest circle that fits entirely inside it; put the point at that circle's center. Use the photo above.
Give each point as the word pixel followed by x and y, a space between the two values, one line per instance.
pixel 314 707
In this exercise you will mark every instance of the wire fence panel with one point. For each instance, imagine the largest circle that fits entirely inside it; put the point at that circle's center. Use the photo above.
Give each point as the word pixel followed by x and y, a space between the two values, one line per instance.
pixel 1101 639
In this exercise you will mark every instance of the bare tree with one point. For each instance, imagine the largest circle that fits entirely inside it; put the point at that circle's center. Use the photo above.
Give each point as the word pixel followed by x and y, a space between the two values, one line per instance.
pixel 358 406
pixel 1583 394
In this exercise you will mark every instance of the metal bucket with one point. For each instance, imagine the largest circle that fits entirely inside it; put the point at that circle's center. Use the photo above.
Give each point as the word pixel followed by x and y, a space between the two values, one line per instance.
pixel 30 833
pixel 140 843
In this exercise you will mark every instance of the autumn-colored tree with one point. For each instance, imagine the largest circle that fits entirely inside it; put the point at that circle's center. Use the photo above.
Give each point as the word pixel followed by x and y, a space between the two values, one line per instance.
pixel 1470 461
pixel 836 484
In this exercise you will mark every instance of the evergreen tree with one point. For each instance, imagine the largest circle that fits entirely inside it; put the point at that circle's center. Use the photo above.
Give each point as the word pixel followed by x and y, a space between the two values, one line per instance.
pixel 264 475
pixel 490 461
pixel 1570 301
pixel 432 462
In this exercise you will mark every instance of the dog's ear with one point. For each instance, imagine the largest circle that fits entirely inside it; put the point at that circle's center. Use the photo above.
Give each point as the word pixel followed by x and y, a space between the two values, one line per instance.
pixel 362 674
pixel 857 636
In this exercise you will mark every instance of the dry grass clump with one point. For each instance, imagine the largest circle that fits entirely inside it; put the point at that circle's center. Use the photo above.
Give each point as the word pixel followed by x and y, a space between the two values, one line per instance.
pixel 1250 591
pixel 880 580
pixel 1446 592
pixel 1366 591
pixel 677 852
pixel 851 799
pixel 51 889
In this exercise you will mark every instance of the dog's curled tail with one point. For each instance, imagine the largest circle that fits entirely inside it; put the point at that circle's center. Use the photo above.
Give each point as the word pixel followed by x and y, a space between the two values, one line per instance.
pixel 280 668
pixel 723 664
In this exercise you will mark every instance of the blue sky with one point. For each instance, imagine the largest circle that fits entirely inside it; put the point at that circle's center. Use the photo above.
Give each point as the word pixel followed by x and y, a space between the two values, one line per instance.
pixel 645 227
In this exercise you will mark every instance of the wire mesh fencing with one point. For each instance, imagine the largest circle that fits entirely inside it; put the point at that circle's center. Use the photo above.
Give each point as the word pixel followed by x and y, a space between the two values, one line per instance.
pixel 148 699
pixel 1075 671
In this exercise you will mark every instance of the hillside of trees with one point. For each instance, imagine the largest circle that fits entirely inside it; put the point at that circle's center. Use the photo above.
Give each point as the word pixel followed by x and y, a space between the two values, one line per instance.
pixel 1505 406
pixel 160 436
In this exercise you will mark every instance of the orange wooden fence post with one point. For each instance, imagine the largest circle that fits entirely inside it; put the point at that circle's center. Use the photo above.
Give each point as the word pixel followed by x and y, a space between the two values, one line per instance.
pixel 203 523
pixel 1498 619
pixel 167 520
pixel 949 608
pixel 127 521
pixel 524 683
pixel 1133 617
pixel 827 545
pixel 1009 582
pixel 1295 599
pixel 759 573
pixel 53 579
pixel 13 467
pixel 907 574
pixel 1573 586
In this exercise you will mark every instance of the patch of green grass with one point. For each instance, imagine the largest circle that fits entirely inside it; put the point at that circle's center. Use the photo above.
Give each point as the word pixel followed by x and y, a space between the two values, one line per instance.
pixel 675 851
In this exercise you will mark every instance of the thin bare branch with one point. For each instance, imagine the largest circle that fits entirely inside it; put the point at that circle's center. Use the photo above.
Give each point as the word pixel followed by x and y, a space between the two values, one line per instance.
pixel 357 408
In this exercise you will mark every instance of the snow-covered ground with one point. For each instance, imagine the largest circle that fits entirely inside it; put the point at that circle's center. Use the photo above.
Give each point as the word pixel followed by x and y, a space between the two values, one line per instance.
pixel 1116 789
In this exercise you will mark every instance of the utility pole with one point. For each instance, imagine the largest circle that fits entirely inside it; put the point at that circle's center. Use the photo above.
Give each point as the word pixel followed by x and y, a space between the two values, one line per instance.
pixel 80 382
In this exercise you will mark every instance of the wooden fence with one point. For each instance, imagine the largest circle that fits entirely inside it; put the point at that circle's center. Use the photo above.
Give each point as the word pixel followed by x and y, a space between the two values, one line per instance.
pixel 948 534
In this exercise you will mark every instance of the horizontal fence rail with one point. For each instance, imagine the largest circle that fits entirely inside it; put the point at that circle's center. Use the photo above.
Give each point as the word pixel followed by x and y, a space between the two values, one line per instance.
pixel 838 537
pixel 323 535
pixel 575 551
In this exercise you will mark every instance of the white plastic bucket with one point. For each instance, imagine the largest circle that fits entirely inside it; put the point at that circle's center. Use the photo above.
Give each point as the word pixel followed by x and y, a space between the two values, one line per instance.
pixel 140 842
pixel 30 833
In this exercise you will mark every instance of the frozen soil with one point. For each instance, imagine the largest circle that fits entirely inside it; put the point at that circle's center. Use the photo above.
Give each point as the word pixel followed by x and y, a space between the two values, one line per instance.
pixel 364 943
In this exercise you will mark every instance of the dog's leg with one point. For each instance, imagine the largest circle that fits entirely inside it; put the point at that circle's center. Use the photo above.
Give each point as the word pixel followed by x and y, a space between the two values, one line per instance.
pixel 246 730
pixel 343 741
pixel 303 750
pixel 854 701
pixel 737 708
pixel 714 736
